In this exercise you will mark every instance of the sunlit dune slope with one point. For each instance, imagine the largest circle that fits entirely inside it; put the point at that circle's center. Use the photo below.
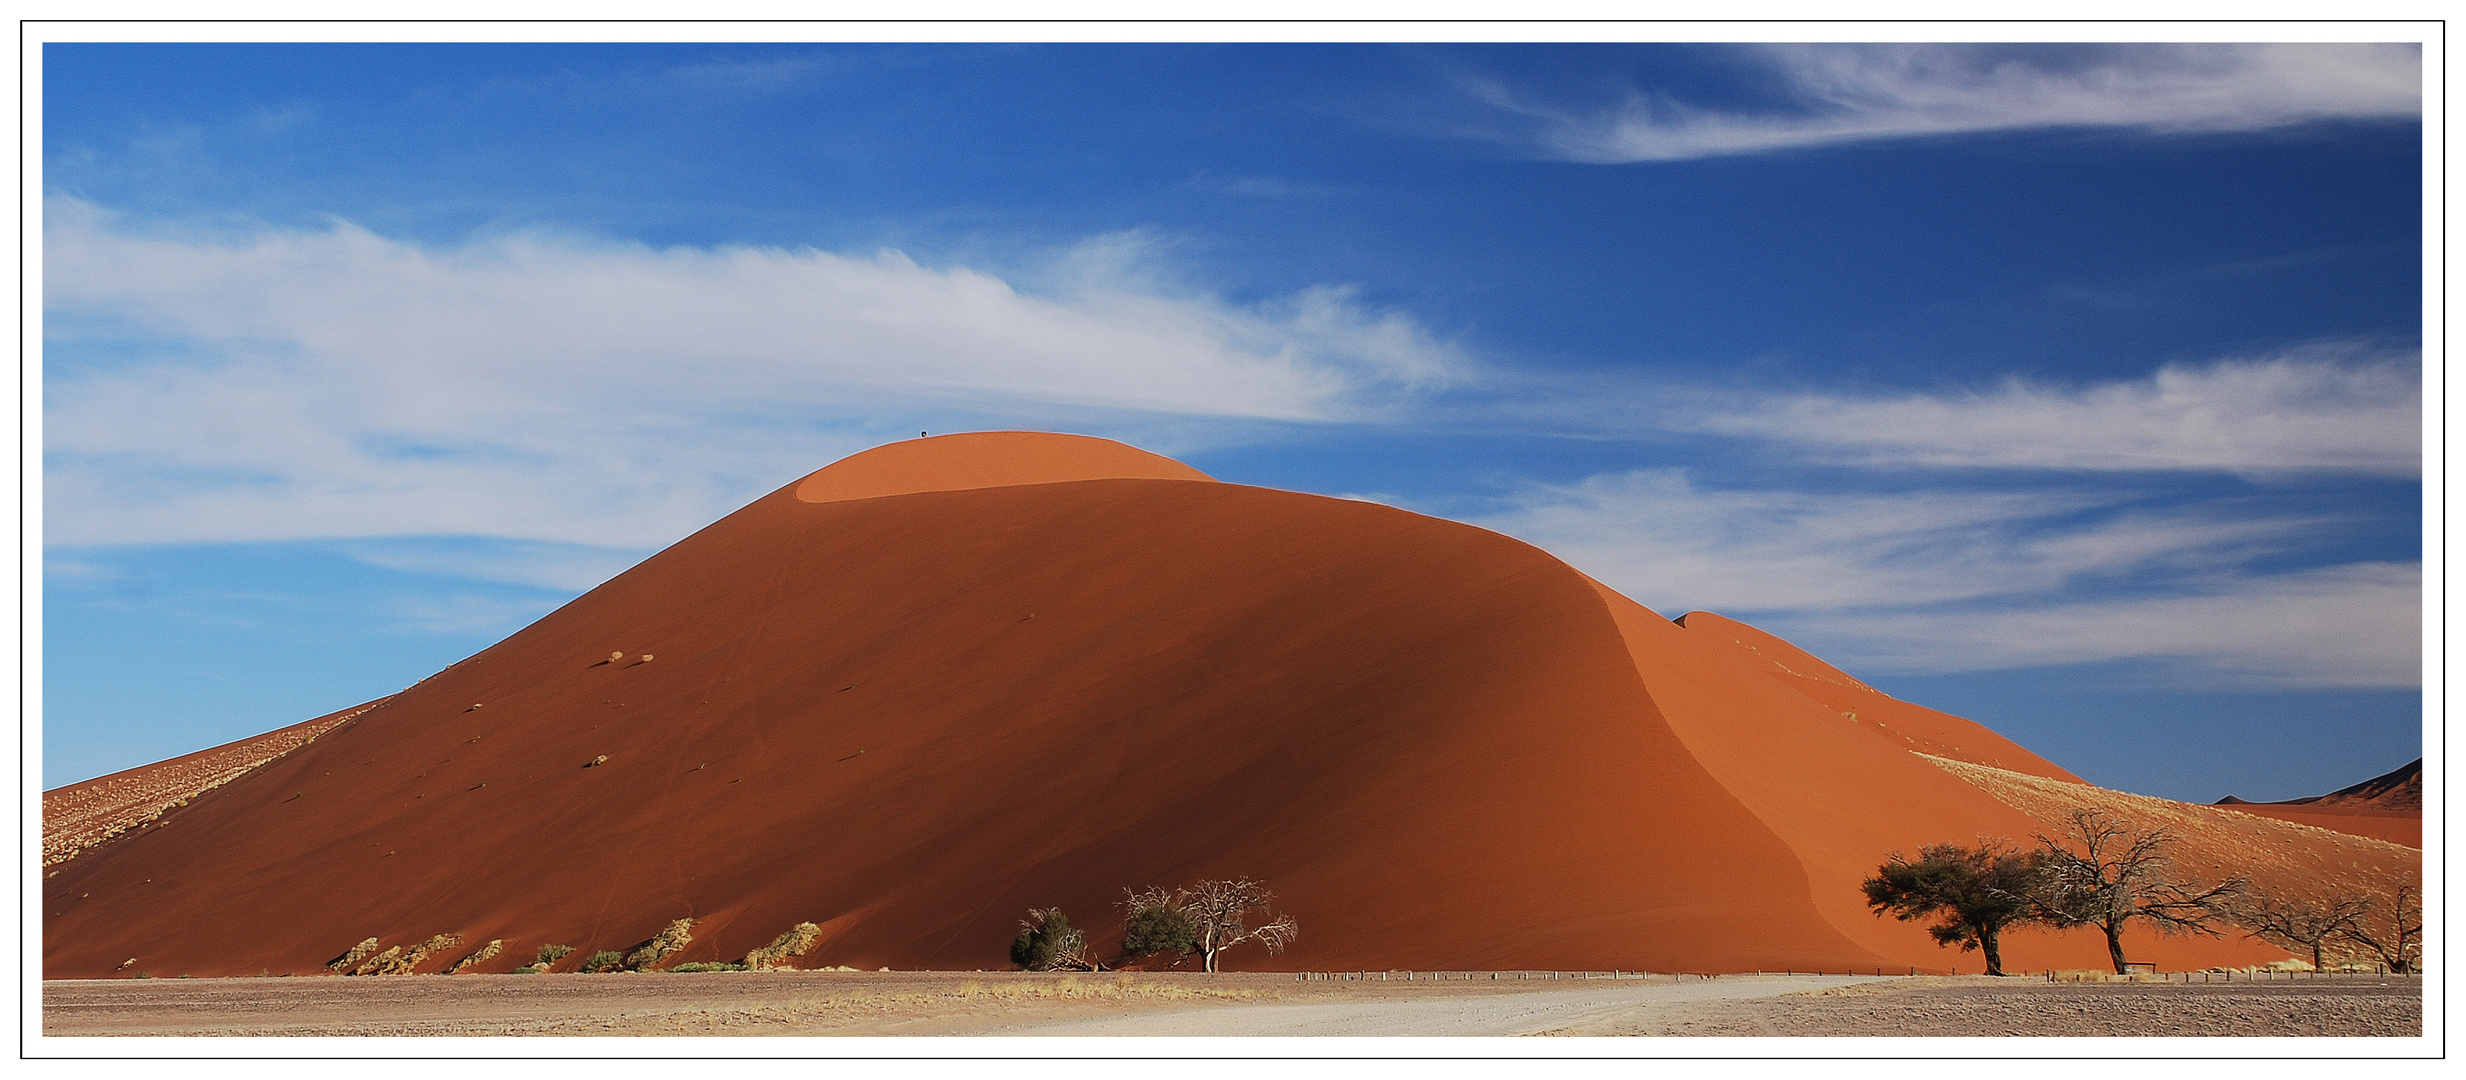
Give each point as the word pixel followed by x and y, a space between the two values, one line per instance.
pixel 983 459
pixel 1912 727
pixel 982 673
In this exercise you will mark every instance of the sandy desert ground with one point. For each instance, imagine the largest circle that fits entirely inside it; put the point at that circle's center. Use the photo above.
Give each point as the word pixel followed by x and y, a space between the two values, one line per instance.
pixel 1012 1004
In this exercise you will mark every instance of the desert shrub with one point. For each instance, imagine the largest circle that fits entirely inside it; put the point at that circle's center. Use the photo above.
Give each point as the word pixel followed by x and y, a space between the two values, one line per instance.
pixel 377 963
pixel 1045 938
pixel 603 960
pixel 700 966
pixel 408 961
pixel 351 957
pixel 1152 923
pixel 662 945
pixel 484 953
pixel 795 942
pixel 550 954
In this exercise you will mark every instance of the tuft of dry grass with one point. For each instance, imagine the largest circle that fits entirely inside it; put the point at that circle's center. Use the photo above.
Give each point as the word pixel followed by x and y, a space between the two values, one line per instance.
pixel 485 953
pixel 662 945
pixel 379 962
pixel 794 943
pixel 1075 988
pixel 413 957
pixel 343 964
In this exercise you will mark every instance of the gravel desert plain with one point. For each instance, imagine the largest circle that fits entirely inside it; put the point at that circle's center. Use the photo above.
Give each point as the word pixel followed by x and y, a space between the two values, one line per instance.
pixel 1186 1005
pixel 853 731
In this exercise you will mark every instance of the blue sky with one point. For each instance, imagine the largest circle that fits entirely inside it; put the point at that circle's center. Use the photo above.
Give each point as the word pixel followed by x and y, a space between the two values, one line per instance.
pixel 2076 389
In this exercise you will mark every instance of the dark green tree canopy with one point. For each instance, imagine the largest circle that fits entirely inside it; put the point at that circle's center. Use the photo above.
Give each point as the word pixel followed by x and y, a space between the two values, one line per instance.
pixel 1046 940
pixel 1152 923
pixel 1972 892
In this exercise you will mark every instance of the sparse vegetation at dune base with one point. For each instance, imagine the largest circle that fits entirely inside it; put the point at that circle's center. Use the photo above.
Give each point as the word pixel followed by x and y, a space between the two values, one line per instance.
pixel 1207 918
pixel 2106 873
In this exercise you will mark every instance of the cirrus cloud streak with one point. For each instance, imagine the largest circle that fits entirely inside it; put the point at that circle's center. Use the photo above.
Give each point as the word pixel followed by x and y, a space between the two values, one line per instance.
pixel 2322 408
pixel 1855 93
pixel 1937 581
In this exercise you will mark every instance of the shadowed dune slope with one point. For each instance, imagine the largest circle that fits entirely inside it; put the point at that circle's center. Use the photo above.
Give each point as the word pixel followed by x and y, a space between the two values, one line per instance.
pixel 908 717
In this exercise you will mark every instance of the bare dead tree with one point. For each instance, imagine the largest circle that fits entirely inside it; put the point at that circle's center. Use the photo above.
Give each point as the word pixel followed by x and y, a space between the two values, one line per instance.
pixel 1220 911
pixel 2106 873
pixel 2397 936
pixel 2298 923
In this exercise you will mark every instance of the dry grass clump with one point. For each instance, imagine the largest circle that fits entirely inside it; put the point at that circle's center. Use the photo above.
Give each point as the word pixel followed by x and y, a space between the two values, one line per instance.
pixel 377 963
pixel 546 958
pixel 794 943
pixel 1074 988
pixel 349 959
pixel 399 961
pixel 485 952
pixel 603 960
pixel 661 946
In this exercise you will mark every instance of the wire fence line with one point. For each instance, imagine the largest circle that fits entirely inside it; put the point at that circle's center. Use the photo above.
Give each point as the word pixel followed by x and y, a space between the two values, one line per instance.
pixel 1555 976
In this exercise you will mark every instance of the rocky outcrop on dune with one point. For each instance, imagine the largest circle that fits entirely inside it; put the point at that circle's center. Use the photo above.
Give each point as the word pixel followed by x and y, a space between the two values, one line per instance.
pixel 901 701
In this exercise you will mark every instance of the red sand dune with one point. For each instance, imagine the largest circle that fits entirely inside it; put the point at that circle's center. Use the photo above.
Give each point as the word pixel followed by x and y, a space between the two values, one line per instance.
pixel 944 680
pixel 2388 807
pixel 88 813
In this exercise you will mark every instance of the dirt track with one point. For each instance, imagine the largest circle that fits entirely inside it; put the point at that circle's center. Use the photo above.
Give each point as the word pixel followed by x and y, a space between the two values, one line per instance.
pixel 957 1003
pixel 1975 1005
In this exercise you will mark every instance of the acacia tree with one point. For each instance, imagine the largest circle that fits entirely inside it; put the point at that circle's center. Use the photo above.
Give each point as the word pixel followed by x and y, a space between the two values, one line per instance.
pixel 1219 914
pixel 2105 873
pixel 2299 923
pixel 1154 922
pixel 1974 892
pixel 1047 942
pixel 2396 938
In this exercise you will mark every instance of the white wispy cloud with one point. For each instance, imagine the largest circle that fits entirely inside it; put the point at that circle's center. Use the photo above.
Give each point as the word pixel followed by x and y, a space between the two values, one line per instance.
pixel 336 383
pixel 1658 536
pixel 1848 93
pixel 570 568
pixel 1936 581
pixel 2358 624
pixel 2324 408
pixel 464 614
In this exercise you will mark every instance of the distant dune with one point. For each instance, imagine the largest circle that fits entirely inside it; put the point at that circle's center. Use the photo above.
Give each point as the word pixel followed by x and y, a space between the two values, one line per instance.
pixel 942 681
pixel 85 814
pixel 2387 807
